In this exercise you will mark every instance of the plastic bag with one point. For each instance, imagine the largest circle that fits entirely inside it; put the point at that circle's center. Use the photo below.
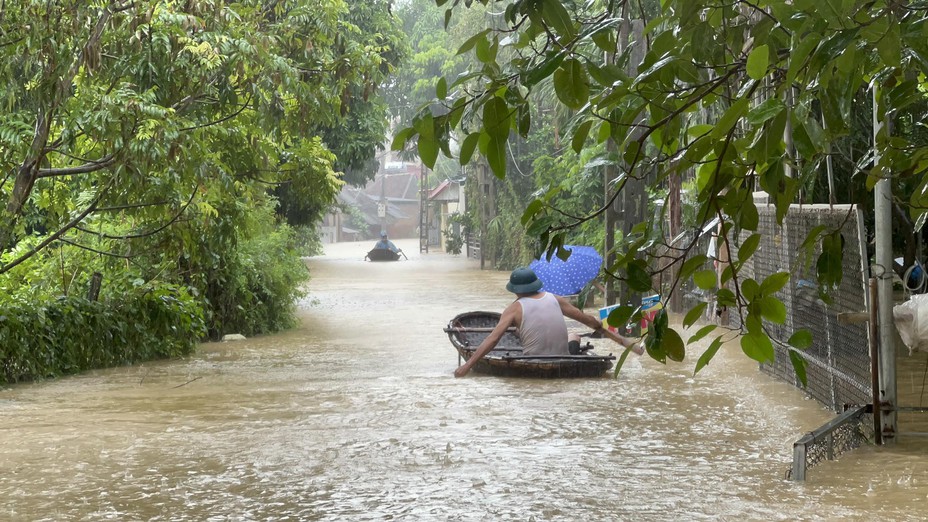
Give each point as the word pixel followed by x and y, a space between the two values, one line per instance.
pixel 911 319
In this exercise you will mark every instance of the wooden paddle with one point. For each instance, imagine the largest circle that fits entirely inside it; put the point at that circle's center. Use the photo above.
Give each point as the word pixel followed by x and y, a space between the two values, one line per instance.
pixel 404 255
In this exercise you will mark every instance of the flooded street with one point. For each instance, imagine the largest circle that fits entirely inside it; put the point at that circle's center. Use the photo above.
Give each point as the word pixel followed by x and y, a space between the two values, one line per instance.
pixel 355 415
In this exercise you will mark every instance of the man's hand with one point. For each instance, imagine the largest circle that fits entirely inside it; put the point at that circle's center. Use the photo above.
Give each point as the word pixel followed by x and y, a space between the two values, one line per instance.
pixel 461 371
pixel 638 348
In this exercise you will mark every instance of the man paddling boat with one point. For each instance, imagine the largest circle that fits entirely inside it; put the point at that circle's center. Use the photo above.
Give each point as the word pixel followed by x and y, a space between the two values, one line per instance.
pixel 539 318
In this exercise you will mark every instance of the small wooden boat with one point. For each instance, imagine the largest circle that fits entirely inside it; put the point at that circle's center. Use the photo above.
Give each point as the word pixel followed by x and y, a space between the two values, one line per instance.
pixel 382 254
pixel 468 330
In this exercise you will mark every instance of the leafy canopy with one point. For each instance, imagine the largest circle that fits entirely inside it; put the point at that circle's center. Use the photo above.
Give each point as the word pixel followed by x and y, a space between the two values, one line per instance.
pixel 744 96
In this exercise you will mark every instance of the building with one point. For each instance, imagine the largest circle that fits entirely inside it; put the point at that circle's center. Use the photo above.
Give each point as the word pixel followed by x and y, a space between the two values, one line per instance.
pixel 444 200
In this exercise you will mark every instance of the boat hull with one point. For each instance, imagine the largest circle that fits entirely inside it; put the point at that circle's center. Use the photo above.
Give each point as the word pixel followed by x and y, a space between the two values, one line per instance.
pixel 382 254
pixel 468 330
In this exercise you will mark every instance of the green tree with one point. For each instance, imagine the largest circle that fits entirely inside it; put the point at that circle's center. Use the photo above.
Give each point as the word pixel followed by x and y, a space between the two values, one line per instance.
pixel 148 134
pixel 743 95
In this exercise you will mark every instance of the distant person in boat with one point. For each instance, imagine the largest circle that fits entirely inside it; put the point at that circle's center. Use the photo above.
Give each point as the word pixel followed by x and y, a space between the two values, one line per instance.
pixel 385 243
pixel 539 318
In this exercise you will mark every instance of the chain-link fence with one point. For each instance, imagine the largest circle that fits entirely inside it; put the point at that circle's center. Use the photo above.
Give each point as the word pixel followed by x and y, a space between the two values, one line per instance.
pixel 850 430
pixel 838 362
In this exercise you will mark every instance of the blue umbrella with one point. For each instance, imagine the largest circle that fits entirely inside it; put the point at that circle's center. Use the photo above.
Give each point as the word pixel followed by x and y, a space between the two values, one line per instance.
pixel 568 277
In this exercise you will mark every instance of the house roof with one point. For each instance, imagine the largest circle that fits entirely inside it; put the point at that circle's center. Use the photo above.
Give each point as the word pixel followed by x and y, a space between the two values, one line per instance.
pixel 445 191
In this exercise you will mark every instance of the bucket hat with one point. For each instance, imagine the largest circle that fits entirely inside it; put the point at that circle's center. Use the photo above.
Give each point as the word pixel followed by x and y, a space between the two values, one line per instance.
pixel 523 281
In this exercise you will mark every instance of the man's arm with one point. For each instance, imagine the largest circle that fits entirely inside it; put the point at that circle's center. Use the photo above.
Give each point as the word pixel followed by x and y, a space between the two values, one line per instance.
pixel 571 311
pixel 507 319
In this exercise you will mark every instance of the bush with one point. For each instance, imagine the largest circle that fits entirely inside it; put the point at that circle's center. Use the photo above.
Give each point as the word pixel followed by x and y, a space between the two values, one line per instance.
pixel 72 334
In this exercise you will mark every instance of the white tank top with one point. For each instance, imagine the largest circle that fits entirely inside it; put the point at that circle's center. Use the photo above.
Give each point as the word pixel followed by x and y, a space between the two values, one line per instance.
pixel 543 330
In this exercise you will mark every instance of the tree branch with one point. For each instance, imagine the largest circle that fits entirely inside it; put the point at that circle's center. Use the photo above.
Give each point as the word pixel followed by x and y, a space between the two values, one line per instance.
pixel 91 166
pixel 220 120
pixel 150 232
pixel 71 224
pixel 94 250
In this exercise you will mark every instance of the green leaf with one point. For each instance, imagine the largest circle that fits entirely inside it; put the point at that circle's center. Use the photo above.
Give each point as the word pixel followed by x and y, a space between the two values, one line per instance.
pixel 730 118
pixel 524 119
pixel 543 70
pixel 571 84
pixel 472 41
pixel 801 50
pixel 620 316
pixel 750 289
pixel 772 309
pixel 747 249
pixel 705 279
pixel 457 112
pixel 801 339
pixel 427 144
pixel 496 155
pixel 533 208
pixel 580 135
pixel 748 215
pixel 556 16
pixel 725 297
pixel 757 346
pixel 920 222
pixel 767 110
pixel 639 280
pixel 828 266
pixel 428 150
pixel 486 50
pixel 727 274
pixel 694 314
pixel 702 332
pixel 468 146
pixel 768 144
pixel 673 345
pixel 758 61
pixel 799 366
pixel 496 117
pixel 889 46
pixel 399 141
pixel 774 282
pixel 708 354
pixel 631 154
pixel 620 363
pixel 540 225
pixel 441 88
pixel 691 264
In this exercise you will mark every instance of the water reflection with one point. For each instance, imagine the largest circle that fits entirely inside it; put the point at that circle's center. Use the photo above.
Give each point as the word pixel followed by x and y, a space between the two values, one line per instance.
pixel 355 416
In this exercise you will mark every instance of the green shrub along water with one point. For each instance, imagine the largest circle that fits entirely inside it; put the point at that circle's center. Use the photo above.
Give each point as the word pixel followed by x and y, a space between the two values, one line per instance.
pixel 73 334
pixel 234 269
pixel 253 288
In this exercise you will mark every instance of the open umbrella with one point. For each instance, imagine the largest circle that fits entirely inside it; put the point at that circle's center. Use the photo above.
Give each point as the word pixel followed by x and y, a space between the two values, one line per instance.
pixel 568 277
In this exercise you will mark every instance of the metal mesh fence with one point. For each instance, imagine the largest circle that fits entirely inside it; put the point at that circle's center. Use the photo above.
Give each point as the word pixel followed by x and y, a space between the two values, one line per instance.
pixel 838 362
pixel 850 430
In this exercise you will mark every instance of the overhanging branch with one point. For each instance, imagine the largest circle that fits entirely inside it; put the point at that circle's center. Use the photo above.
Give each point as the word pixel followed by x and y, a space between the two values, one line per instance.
pixel 71 224
pixel 91 166
pixel 150 232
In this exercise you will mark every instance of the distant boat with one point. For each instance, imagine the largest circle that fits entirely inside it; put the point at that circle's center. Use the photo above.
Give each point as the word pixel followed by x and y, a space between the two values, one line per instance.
pixel 466 331
pixel 382 254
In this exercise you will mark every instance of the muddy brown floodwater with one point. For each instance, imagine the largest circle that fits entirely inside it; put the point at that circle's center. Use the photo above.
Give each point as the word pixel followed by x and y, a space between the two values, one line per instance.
pixel 355 415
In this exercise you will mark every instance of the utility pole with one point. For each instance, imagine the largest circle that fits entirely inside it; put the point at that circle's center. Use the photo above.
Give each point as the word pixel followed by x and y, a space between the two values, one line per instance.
pixel 382 204
pixel 883 271
pixel 423 210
